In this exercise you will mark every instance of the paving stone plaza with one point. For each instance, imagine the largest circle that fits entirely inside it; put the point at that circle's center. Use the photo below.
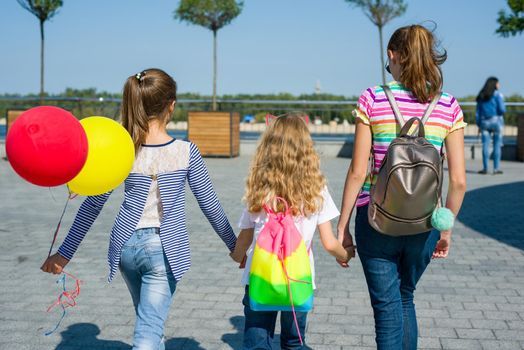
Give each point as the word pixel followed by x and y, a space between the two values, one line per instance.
pixel 472 300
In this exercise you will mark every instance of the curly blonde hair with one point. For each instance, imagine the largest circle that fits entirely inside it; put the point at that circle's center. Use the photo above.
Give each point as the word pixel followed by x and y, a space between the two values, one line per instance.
pixel 286 165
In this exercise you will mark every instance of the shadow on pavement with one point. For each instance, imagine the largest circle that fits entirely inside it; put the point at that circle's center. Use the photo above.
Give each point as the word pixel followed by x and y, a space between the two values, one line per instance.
pixel 183 343
pixel 235 339
pixel 84 336
pixel 497 212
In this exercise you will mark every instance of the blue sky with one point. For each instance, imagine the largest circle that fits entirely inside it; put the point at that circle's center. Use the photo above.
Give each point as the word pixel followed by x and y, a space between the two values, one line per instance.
pixel 273 46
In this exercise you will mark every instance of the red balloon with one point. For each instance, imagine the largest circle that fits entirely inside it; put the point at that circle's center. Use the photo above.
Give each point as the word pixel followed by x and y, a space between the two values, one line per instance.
pixel 47 146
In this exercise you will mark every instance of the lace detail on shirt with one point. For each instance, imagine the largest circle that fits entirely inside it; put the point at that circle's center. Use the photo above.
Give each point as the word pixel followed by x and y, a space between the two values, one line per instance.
pixel 152 161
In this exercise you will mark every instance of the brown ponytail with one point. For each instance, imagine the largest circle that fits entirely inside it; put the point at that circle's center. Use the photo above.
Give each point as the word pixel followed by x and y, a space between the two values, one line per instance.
pixel 147 96
pixel 419 60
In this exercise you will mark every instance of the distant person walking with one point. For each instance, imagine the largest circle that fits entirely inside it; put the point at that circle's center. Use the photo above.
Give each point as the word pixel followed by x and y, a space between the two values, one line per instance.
pixel 394 262
pixel 490 120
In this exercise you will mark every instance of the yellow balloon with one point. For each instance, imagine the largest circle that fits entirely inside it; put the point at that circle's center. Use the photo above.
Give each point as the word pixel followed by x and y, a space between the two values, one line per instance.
pixel 110 157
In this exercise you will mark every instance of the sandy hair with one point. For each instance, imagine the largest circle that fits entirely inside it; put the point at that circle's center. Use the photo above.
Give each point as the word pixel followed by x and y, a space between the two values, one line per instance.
pixel 147 95
pixel 420 60
pixel 286 165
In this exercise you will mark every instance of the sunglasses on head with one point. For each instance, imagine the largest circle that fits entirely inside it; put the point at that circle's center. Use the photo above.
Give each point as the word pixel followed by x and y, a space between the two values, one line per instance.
pixel 271 117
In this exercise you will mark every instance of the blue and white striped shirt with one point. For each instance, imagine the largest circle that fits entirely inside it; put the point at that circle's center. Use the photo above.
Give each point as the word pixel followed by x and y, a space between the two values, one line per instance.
pixel 188 165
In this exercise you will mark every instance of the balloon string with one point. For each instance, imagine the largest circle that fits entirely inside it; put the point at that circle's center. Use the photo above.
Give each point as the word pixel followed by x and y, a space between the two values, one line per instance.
pixel 69 197
pixel 69 296
pixel 52 195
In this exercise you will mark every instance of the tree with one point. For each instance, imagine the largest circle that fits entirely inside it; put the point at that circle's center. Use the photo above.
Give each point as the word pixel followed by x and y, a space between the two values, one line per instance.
pixel 380 12
pixel 513 23
pixel 43 10
pixel 213 15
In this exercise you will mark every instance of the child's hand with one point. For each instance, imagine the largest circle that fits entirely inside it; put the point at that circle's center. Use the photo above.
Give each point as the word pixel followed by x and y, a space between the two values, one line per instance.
pixel 350 251
pixel 237 255
pixel 243 263
pixel 244 240
pixel 54 264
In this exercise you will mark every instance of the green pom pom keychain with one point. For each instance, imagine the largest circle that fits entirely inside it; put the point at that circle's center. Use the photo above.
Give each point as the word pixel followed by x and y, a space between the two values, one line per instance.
pixel 442 219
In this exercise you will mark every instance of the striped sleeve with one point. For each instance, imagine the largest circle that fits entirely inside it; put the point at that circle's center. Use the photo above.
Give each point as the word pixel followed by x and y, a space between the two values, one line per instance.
pixel 458 116
pixel 84 219
pixel 364 106
pixel 201 186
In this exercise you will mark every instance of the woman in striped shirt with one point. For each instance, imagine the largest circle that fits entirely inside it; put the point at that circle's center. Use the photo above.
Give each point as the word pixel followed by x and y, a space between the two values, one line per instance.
pixel 149 241
pixel 394 265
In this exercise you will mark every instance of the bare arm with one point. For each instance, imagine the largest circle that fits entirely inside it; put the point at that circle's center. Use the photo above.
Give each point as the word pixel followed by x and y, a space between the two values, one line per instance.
pixel 331 244
pixel 354 180
pixel 244 240
pixel 457 185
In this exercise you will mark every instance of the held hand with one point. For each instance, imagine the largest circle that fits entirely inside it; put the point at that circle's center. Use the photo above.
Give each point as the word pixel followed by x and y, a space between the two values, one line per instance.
pixel 243 263
pixel 54 264
pixel 443 245
pixel 346 239
pixel 350 255
pixel 237 255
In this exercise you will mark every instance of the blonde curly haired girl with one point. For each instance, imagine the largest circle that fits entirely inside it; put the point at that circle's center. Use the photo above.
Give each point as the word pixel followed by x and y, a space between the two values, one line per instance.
pixel 285 165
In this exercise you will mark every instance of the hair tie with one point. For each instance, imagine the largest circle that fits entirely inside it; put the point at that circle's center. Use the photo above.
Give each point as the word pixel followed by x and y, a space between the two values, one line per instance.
pixel 140 75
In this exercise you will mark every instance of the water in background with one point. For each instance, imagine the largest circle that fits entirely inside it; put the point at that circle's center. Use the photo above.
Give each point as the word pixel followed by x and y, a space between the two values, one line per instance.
pixel 253 135
pixel 244 135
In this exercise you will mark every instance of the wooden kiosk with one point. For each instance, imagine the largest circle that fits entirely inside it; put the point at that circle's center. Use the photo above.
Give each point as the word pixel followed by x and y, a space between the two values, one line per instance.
pixel 11 116
pixel 217 134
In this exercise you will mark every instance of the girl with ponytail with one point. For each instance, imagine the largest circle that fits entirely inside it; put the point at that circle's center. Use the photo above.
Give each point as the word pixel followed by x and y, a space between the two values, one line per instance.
pixel 394 264
pixel 149 241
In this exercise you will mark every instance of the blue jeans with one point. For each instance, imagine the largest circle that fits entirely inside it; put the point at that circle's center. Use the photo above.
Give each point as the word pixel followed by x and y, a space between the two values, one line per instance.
pixel 493 125
pixel 393 266
pixel 259 328
pixel 149 279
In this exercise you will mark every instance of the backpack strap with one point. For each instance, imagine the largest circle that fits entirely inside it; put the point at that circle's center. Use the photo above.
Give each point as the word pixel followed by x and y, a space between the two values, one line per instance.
pixel 396 110
pixel 394 105
pixel 268 209
pixel 428 112
pixel 430 108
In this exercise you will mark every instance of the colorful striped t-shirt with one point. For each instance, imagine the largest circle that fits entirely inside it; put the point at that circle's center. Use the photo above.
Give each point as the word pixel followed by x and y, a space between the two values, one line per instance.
pixel 373 109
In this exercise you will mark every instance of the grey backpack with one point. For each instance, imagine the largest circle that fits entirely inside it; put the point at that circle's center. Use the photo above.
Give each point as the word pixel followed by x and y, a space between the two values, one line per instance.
pixel 409 183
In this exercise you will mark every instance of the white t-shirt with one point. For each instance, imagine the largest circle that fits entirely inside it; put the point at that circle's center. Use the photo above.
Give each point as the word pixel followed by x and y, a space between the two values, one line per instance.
pixel 305 225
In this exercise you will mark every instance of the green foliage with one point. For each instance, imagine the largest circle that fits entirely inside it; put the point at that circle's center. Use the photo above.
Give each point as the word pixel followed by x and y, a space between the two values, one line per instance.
pixel 211 14
pixel 380 12
pixel 42 9
pixel 512 23
pixel 108 104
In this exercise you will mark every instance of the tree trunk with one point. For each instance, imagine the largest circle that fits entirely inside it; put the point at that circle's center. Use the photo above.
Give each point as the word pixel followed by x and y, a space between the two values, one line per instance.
pixel 214 70
pixel 382 68
pixel 41 62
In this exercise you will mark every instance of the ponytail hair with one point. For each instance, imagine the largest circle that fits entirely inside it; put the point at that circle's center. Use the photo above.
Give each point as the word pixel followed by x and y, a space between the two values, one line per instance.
pixel 419 60
pixel 147 96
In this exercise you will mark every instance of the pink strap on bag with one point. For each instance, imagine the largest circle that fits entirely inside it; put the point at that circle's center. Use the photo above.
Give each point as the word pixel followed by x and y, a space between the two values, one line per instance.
pixel 281 255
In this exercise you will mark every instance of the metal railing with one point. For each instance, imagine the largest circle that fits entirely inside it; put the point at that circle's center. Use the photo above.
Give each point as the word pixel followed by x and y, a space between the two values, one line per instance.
pixel 327 111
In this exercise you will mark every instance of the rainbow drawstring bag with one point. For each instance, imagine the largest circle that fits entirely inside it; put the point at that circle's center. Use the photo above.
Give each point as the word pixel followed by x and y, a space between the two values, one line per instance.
pixel 280 276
